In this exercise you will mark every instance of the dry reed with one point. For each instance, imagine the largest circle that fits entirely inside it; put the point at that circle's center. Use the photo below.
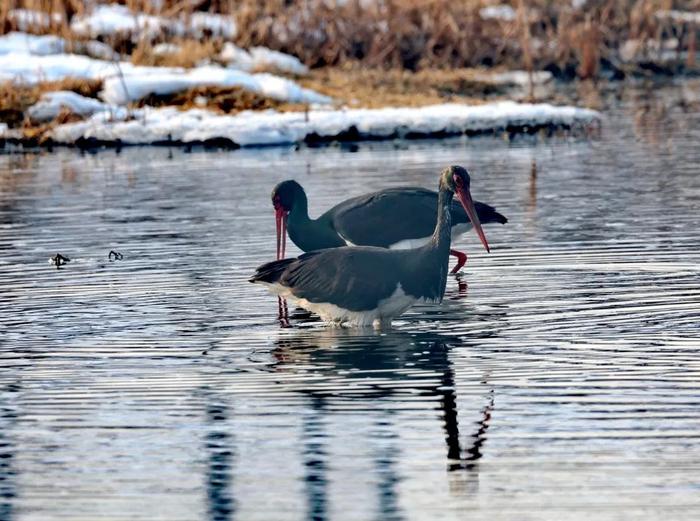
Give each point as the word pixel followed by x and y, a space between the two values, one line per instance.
pixel 416 34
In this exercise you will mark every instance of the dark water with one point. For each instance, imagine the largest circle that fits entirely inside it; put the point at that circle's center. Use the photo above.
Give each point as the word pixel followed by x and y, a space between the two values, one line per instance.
pixel 559 380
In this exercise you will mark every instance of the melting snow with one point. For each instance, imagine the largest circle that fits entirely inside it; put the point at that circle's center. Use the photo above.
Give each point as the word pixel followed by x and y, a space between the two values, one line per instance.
pixel 16 42
pixel 129 82
pixel 112 19
pixel 138 82
pixel 261 58
pixel 25 19
pixel 272 128
pixel 23 43
pixel 52 103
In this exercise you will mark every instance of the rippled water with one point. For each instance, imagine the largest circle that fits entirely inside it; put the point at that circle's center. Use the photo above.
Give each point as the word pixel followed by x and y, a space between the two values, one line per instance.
pixel 560 379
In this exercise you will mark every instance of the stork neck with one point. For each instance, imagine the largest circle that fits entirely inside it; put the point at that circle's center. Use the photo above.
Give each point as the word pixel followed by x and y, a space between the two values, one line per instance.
pixel 300 210
pixel 310 234
pixel 442 236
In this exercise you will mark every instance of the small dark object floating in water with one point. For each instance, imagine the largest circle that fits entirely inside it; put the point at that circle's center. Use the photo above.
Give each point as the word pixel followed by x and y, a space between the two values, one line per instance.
pixel 59 260
pixel 115 255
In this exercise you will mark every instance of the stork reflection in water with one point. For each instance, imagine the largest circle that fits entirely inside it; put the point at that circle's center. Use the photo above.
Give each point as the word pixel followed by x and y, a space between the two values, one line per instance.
pixel 373 367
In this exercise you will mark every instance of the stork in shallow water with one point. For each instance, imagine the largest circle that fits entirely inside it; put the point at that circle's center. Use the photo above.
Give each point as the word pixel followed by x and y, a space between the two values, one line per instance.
pixel 395 218
pixel 367 285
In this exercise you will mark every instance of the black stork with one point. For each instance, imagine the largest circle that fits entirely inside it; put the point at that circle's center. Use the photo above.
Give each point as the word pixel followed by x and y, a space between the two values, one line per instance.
pixel 367 285
pixel 395 218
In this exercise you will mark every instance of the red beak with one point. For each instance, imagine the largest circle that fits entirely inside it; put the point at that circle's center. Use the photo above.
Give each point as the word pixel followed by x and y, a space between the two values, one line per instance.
pixel 281 221
pixel 465 197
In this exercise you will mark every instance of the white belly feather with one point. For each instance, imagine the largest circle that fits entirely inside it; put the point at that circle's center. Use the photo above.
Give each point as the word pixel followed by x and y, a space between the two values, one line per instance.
pixel 388 308
pixel 408 244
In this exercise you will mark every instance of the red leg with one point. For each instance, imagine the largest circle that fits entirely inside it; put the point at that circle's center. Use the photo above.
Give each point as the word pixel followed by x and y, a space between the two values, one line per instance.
pixel 461 260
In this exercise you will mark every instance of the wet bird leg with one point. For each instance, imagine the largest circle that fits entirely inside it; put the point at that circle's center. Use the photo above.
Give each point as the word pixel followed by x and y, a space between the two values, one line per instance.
pixel 283 312
pixel 461 260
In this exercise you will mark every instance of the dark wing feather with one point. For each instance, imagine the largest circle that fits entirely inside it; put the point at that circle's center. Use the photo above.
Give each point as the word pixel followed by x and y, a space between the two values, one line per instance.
pixel 351 278
pixel 487 213
pixel 386 217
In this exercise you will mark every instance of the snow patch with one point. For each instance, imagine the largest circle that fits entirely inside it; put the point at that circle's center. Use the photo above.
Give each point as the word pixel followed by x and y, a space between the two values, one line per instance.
pixel 503 12
pixel 25 19
pixel 162 49
pixel 125 82
pixel 249 128
pixel 52 103
pixel 200 24
pixel 23 43
pixel 139 82
pixel 520 78
pixel 114 20
pixel 28 68
pixel 265 58
pixel 261 58
pixel 679 16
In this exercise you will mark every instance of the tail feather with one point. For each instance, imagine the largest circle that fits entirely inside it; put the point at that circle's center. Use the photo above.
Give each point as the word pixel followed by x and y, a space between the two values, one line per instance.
pixel 488 214
pixel 271 272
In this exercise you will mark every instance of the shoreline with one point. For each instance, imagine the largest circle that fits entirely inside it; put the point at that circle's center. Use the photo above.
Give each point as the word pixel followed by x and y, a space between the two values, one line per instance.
pixel 168 126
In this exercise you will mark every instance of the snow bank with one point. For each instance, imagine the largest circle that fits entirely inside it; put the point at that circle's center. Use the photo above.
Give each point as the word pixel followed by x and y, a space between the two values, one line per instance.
pixel 137 83
pixel 273 128
pixel 52 103
pixel 23 43
pixel 262 58
pixel 114 20
pixel 127 82
pixel 28 68
pixel 16 42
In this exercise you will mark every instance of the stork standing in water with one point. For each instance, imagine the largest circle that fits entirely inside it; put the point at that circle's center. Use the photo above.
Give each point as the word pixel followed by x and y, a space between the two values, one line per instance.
pixel 367 285
pixel 395 218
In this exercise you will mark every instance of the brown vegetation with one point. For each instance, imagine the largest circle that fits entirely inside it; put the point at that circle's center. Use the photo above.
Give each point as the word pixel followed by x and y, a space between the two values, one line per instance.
pixel 16 99
pixel 222 99
pixel 188 54
pixel 355 85
pixel 418 34
pixel 415 34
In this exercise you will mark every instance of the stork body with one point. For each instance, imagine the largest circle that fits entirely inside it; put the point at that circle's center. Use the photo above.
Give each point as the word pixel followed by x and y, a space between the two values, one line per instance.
pixel 395 218
pixel 368 285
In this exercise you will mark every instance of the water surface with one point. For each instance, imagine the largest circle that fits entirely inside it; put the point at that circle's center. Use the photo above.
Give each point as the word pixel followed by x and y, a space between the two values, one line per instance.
pixel 560 379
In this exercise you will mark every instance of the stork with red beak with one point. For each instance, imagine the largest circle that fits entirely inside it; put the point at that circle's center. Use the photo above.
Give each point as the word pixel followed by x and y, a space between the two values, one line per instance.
pixel 395 218
pixel 368 285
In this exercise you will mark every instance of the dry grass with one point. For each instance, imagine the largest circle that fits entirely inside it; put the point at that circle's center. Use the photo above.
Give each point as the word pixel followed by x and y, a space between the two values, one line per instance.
pixel 189 54
pixel 227 100
pixel 357 86
pixel 415 34
pixel 412 34
pixel 16 99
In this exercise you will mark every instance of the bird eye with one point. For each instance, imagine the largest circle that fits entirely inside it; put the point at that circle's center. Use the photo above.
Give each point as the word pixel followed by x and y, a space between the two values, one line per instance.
pixel 457 180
